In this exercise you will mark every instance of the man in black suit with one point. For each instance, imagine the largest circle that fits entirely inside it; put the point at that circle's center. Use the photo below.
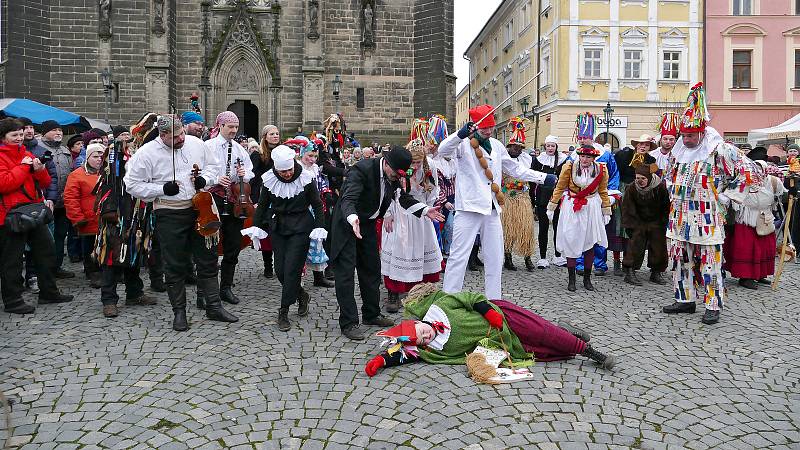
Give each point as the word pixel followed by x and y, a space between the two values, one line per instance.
pixel 366 195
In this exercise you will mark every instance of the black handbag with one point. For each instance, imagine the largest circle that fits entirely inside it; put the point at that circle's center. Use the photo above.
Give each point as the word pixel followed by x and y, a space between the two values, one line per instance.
pixel 27 216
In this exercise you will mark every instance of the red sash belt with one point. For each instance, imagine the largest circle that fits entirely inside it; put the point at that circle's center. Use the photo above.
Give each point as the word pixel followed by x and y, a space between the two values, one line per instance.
pixel 579 199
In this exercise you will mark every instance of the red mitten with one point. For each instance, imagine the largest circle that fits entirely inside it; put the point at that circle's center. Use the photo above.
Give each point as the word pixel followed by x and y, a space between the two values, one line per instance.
pixel 494 318
pixel 374 365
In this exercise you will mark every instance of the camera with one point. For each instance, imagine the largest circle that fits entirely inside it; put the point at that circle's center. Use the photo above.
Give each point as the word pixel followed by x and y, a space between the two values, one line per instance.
pixel 46 157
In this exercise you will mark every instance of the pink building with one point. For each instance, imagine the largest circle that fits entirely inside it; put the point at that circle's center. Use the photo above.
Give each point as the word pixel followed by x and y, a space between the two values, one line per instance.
pixel 752 64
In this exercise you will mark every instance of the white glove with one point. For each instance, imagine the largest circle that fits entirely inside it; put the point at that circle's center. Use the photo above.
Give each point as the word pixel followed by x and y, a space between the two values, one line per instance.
pixel 255 234
pixel 318 233
pixel 606 219
pixel 550 214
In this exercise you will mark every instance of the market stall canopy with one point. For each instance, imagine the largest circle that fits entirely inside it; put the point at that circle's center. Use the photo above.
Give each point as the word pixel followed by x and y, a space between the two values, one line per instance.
pixel 39 112
pixel 777 134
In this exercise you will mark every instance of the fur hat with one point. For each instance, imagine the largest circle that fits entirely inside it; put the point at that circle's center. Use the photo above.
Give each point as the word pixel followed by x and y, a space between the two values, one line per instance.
pixel 644 170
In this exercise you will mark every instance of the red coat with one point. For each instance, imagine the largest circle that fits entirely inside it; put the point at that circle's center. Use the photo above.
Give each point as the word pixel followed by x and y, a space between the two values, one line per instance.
pixel 79 200
pixel 16 178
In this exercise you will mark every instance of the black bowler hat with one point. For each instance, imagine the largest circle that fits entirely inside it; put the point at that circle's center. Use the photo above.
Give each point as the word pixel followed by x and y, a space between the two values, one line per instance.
pixel 398 158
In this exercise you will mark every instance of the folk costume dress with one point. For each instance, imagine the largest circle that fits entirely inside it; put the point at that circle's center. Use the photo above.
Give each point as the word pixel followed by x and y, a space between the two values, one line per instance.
pixel 410 254
pixel 749 252
pixel 583 197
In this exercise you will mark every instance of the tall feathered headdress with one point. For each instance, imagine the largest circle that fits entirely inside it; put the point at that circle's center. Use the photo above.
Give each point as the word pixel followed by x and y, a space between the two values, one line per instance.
pixel 419 130
pixel 517 129
pixel 585 125
pixel 696 114
pixel 670 122
pixel 437 129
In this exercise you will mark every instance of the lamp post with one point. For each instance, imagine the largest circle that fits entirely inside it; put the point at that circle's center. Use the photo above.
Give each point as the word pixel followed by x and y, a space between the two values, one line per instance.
pixel 337 85
pixel 105 78
pixel 525 104
pixel 608 114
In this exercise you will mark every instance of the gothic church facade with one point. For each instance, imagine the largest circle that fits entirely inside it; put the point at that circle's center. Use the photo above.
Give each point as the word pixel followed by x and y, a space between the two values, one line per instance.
pixel 270 61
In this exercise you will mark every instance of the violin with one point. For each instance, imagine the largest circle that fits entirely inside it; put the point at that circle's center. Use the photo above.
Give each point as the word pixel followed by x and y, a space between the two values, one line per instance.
pixel 208 221
pixel 242 207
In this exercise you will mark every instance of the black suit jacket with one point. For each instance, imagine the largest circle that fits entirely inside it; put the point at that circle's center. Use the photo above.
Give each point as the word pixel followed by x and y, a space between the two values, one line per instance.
pixel 360 195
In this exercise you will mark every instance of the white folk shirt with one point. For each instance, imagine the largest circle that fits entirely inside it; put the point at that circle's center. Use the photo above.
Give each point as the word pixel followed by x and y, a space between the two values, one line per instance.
pixel 151 167
pixel 473 189
pixel 662 160
pixel 219 146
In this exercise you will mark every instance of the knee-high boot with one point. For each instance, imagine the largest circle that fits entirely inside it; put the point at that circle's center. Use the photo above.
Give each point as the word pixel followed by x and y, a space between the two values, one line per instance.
pixel 214 309
pixel 571 283
pixel 177 298
pixel 267 256
pixel 606 361
pixel 587 280
pixel 226 285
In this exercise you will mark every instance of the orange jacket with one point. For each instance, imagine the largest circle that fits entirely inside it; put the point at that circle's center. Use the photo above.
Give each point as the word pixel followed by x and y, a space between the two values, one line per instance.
pixel 79 200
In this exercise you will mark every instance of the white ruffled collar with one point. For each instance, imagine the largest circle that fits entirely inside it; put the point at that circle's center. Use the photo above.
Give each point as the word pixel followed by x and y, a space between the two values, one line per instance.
pixel 547 160
pixel 282 189
pixel 683 154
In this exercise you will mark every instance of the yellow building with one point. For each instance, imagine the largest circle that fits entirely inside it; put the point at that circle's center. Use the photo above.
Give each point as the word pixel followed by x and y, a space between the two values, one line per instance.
pixel 639 56
pixel 502 58
pixel 462 109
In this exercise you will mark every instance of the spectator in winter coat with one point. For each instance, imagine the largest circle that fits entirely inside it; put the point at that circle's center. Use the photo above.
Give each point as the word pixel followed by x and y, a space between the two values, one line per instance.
pixel 59 167
pixel 28 134
pixel 79 202
pixel 21 174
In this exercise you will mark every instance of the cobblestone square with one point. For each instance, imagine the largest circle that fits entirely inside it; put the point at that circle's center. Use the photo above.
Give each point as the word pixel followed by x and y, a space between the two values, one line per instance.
pixel 82 381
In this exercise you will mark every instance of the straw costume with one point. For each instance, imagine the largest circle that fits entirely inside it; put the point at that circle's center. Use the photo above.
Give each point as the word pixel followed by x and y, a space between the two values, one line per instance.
pixel 517 217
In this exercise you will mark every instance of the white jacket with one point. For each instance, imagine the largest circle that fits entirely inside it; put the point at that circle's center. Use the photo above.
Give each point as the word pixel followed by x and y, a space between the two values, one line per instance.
pixel 219 146
pixel 151 167
pixel 473 190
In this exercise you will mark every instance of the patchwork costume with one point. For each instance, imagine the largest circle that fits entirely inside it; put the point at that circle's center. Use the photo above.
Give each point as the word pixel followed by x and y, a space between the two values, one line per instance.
pixel 699 177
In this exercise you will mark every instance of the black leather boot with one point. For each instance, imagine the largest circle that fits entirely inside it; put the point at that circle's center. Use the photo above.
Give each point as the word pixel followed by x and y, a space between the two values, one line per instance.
pixel 587 280
pixel 214 309
pixel 618 268
pixel 201 298
pixel 710 317
pixel 302 302
pixel 657 278
pixel 508 263
pixel 393 303
pixel 605 361
pixel 631 278
pixel 529 264
pixel 283 320
pixel 680 307
pixel 177 298
pixel 575 331
pixel 157 283
pixel 226 285
pixel 329 273
pixel 320 281
pixel 571 283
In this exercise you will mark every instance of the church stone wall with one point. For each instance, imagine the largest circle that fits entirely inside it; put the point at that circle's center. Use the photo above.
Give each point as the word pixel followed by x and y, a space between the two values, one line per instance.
pixel 28 65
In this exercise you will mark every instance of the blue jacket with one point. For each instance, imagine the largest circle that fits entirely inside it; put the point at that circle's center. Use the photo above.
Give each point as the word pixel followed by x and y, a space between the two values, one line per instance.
pixel 50 192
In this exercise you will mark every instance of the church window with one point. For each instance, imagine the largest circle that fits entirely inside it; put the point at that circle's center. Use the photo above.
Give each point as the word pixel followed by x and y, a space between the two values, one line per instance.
pixel 360 98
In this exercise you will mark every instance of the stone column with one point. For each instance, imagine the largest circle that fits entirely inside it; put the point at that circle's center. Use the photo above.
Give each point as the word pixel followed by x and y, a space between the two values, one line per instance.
pixel 313 81
pixel 157 64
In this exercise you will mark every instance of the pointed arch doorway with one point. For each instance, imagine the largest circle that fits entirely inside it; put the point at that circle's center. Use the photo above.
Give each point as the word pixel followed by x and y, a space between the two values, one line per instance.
pixel 248 117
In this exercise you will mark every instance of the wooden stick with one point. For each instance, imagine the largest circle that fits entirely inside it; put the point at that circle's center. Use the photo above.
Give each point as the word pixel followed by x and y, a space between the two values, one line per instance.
pixel 786 219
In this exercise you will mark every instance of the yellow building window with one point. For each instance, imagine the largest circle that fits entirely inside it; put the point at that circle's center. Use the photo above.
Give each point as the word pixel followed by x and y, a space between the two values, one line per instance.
pixel 672 65
pixel 591 62
pixel 632 64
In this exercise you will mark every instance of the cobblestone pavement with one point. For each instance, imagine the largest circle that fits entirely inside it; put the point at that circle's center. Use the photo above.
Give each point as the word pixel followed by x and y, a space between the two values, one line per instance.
pixel 83 381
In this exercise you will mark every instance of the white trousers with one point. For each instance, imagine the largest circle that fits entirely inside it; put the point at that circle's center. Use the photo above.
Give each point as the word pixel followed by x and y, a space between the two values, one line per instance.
pixel 466 227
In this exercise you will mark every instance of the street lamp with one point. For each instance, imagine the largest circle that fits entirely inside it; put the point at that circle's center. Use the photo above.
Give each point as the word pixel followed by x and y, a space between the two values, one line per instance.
pixel 525 104
pixel 337 85
pixel 608 114
pixel 105 78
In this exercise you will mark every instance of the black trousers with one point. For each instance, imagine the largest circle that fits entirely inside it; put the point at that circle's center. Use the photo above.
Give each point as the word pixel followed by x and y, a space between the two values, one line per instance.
pixel 290 253
pixel 544 229
pixel 179 241
pixel 231 234
pixel 61 226
pixel 362 255
pixel 134 287
pixel 90 266
pixel 650 238
pixel 155 263
pixel 12 246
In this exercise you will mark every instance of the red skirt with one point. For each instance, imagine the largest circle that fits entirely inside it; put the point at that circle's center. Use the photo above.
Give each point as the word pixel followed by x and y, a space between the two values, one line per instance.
pixel 748 255
pixel 401 287
pixel 547 341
